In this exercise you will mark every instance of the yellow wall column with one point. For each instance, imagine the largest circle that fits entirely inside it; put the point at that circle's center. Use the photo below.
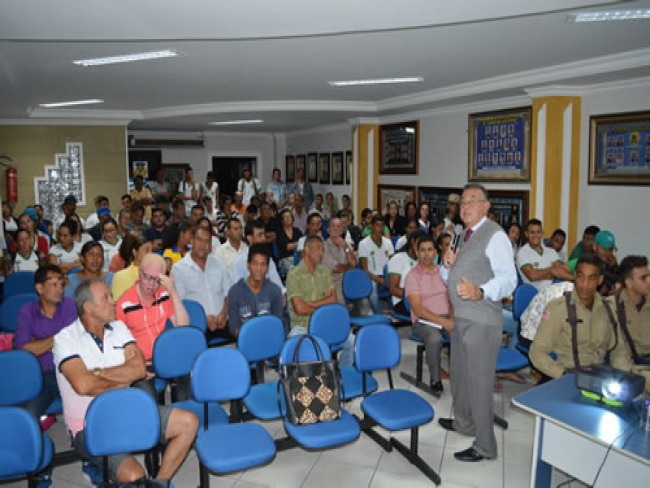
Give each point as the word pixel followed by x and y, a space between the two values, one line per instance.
pixel 555 164
pixel 366 168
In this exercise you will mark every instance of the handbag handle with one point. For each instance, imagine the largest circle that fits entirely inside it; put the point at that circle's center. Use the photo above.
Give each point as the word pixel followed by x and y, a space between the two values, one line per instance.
pixel 319 352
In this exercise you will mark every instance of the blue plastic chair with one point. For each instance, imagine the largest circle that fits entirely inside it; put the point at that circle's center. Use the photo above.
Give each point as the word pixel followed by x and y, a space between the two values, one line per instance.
pixel 260 339
pixel 233 447
pixel 357 287
pixel 199 320
pixel 24 451
pixel 522 297
pixel 379 348
pixel 18 283
pixel 10 308
pixel 174 353
pixel 325 434
pixel 108 431
pixel 332 323
pixel 399 319
pixel 324 229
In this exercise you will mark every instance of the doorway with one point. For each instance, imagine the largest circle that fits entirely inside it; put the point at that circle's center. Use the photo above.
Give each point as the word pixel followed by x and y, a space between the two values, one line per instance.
pixel 229 170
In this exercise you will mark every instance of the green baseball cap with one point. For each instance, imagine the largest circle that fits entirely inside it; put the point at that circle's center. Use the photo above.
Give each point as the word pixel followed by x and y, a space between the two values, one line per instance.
pixel 606 240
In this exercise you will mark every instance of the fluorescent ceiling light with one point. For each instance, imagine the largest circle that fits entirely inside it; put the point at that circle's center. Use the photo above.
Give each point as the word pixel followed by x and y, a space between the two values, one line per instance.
pixel 126 58
pixel 609 16
pixel 377 81
pixel 71 103
pixel 238 122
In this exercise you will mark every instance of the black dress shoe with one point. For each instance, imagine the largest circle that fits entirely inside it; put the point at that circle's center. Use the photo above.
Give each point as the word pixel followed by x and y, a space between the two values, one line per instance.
pixel 436 388
pixel 447 424
pixel 470 455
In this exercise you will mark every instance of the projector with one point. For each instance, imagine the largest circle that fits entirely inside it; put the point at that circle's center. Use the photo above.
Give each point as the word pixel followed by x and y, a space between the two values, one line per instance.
pixel 608 385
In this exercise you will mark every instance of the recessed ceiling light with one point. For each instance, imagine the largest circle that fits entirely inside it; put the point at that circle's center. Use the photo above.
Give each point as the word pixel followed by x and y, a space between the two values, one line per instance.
pixel 609 16
pixel 71 103
pixel 126 58
pixel 377 81
pixel 238 122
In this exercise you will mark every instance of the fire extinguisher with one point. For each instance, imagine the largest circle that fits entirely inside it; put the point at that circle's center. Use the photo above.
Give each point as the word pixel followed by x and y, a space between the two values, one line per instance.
pixel 12 184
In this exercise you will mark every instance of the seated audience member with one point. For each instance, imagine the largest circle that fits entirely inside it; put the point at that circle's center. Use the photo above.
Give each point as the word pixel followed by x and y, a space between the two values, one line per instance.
pixel 410 211
pixel 429 301
pixel 318 207
pixel 132 250
pixel 270 223
pixel 443 243
pixel 125 222
pixel 539 265
pixel 374 252
pixel 188 190
pixel 586 245
pixel 557 240
pixel 338 256
pixel 204 223
pixel 209 188
pixel 27 221
pixel 605 249
pixel 352 232
pixel 595 328
pixel 514 235
pixel 80 235
pixel 411 226
pixel 276 191
pixel 10 223
pixel 84 371
pixel 398 267
pixel 367 227
pixel 138 220
pixel 233 246
pixel 65 254
pixel 178 212
pixel 25 257
pixel 176 244
pixel 254 295
pixel 38 322
pixel 254 235
pixel 127 201
pixel 224 213
pixel 424 218
pixel 330 207
pixel 314 225
pixel 196 213
pixel 211 211
pixel 366 222
pixel 299 213
pixel 238 205
pixel 201 277
pixel 452 221
pixel 110 241
pixel 288 237
pixel 43 226
pixel 101 201
pixel 159 187
pixel 141 195
pixel 158 230
pixel 394 221
pixel 95 232
pixel 633 313
pixel 69 207
pixel 91 258
pixel 309 286
pixel 149 303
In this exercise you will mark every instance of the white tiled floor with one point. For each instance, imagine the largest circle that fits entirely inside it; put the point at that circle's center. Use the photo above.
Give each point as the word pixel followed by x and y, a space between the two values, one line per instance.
pixel 363 463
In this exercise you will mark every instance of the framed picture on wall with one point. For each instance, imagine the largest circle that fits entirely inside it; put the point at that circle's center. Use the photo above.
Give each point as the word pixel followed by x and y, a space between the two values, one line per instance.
pixel 312 167
pixel 324 166
pixel 337 168
pixel 509 206
pixel 619 149
pixel 301 163
pixel 348 167
pixel 290 162
pixel 400 194
pixel 499 145
pixel 398 149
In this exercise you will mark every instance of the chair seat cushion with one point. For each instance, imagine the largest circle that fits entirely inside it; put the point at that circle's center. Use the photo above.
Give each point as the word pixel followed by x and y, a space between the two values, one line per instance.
pixel 262 401
pixel 363 320
pixel 353 384
pixel 8 466
pixel 510 360
pixel 325 434
pixel 233 447
pixel 397 409
pixel 216 414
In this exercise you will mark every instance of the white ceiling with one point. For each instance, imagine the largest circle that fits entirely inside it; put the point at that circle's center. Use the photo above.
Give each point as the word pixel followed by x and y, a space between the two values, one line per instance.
pixel 272 59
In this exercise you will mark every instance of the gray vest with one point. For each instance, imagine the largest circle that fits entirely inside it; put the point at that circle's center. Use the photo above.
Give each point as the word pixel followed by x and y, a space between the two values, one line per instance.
pixel 473 264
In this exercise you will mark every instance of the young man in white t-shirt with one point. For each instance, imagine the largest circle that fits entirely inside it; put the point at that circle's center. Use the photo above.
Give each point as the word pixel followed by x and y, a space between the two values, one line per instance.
pixel 374 252
pixel 539 265
pixel 249 186
pixel 398 267
pixel 65 254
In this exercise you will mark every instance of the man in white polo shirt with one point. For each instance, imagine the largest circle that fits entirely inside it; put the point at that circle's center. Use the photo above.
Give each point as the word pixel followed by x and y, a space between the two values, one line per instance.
pixel 398 267
pixel 97 353
pixel 374 252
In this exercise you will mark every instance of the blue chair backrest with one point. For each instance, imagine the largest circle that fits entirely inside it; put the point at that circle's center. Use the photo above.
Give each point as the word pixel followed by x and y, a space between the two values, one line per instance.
pixel 10 308
pixel 119 421
pixel 220 374
pixel 331 322
pixel 522 298
pixel 377 347
pixel 385 273
pixel 406 303
pixel 307 351
pixel 324 227
pixel 175 350
pixel 19 282
pixel 21 443
pixel 21 378
pixel 197 315
pixel 296 256
pixel 261 338
pixel 276 250
pixel 356 284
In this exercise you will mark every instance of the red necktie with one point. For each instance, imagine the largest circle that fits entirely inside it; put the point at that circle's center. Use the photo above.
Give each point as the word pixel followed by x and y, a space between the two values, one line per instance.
pixel 468 234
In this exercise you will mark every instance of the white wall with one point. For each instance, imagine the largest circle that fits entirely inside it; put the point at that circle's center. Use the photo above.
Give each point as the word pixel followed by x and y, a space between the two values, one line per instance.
pixel 620 209
pixel 329 139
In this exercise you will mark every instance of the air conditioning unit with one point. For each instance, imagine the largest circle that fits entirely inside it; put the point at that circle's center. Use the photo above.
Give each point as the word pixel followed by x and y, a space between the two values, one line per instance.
pixel 158 143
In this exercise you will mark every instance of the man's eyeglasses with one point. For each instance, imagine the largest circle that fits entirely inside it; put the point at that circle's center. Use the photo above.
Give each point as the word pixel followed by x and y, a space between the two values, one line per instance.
pixel 148 278
pixel 468 203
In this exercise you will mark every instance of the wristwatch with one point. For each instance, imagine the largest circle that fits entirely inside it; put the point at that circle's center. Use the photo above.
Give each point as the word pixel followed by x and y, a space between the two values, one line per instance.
pixel 482 293
pixel 348 250
pixel 97 371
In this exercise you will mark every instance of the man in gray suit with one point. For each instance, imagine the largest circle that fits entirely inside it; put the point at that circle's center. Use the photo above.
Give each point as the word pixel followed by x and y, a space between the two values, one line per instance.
pixel 480 272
